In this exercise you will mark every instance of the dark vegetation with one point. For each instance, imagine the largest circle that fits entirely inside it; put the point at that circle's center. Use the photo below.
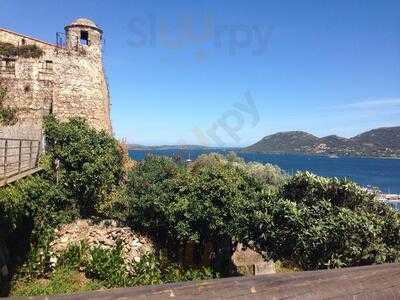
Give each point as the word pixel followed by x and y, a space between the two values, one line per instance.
pixel 24 51
pixel 8 115
pixel 304 221
pixel 381 142
pixel 87 163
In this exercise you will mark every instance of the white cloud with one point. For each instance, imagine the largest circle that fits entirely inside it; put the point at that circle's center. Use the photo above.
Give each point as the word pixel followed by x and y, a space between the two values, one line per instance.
pixel 379 104
pixel 355 117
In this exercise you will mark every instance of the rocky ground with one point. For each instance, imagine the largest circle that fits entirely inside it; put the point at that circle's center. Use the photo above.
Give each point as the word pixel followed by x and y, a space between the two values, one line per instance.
pixel 249 262
pixel 104 234
pixel 107 233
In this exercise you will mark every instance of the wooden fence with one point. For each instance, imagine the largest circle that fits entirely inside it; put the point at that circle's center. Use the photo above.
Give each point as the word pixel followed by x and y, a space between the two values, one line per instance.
pixel 18 158
pixel 371 282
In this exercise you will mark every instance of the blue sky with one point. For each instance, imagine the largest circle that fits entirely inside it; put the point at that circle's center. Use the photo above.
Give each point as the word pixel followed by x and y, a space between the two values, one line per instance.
pixel 231 72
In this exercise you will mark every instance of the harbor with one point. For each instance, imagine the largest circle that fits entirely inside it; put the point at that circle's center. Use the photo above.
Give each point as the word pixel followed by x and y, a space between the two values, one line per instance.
pixel 391 199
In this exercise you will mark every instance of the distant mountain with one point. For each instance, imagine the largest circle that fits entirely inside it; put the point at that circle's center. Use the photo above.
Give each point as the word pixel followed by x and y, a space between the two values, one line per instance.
pixel 381 142
pixel 386 137
pixel 292 141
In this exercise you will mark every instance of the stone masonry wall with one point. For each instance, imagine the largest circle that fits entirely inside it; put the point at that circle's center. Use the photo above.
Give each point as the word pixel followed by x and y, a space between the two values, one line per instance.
pixel 81 89
pixel 69 82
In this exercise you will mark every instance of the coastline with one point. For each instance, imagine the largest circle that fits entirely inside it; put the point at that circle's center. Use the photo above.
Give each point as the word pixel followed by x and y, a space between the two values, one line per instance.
pixel 242 150
pixel 319 155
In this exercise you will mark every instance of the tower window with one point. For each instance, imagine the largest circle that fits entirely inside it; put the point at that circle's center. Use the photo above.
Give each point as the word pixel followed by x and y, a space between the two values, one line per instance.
pixel 84 38
pixel 49 65
pixel 23 42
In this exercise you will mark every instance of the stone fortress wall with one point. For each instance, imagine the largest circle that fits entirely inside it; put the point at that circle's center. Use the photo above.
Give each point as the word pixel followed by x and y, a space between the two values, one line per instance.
pixel 68 80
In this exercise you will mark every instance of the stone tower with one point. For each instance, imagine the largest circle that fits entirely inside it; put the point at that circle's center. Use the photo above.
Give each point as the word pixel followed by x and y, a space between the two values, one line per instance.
pixel 68 80
pixel 84 32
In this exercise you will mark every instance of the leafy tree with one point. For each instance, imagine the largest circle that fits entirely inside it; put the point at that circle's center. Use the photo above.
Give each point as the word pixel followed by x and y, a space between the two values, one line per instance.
pixel 30 209
pixel 151 205
pixel 204 204
pixel 88 163
pixel 325 223
pixel 265 174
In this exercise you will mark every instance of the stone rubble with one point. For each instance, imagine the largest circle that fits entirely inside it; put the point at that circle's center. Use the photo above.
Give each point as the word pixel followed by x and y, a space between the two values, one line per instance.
pixel 249 262
pixel 104 234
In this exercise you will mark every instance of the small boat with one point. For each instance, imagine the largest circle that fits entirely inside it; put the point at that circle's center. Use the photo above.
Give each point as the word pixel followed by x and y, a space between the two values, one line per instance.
pixel 188 161
pixel 333 156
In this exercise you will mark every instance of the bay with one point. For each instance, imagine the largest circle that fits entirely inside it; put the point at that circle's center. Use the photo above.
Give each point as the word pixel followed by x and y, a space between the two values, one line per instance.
pixel 370 172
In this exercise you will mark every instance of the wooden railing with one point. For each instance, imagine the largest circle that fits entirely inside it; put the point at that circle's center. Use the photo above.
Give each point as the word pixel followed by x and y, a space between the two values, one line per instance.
pixel 18 158
pixel 371 282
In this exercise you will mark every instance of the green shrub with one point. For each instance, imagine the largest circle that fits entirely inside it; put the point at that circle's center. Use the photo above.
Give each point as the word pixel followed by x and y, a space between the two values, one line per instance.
pixel 220 198
pixel 61 281
pixel 115 205
pixel 35 198
pixel 7 49
pixel 149 270
pixel 30 209
pixel 89 167
pixel 188 205
pixel 8 115
pixel 81 268
pixel 308 188
pixel 25 51
pixel 153 270
pixel 30 51
pixel 306 221
pixel 176 273
pixel 88 163
pixel 75 257
pixel 325 223
pixel 149 204
pixel 265 174
pixel 108 268
pixel 204 204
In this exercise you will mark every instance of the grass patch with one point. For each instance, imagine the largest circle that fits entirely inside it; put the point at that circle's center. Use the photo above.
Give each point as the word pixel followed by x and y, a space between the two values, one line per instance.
pixel 285 267
pixel 61 281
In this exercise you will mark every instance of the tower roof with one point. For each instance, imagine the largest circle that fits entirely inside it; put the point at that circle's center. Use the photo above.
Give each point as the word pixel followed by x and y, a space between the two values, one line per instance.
pixel 83 22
